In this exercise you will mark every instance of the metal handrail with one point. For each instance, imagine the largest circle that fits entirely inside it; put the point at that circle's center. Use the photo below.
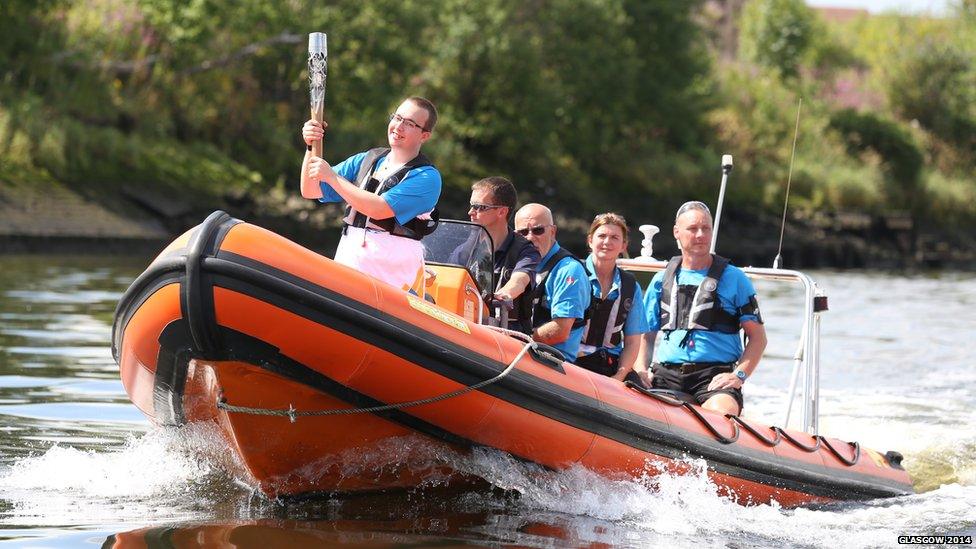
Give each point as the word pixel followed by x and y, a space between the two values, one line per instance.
pixel 806 359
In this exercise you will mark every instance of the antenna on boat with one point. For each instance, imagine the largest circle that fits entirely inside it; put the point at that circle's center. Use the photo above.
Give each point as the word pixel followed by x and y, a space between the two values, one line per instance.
pixel 789 179
pixel 726 170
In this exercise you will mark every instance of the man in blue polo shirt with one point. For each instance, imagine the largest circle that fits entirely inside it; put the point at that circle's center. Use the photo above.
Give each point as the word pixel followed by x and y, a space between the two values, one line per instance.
pixel 562 286
pixel 391 194
pixel 701 302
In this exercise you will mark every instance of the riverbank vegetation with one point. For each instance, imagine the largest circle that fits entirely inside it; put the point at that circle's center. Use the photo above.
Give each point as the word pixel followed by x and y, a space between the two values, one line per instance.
pixel 587 105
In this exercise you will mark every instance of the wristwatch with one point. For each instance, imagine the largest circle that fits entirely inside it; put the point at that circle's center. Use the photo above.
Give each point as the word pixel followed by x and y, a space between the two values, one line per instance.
pixel 741 374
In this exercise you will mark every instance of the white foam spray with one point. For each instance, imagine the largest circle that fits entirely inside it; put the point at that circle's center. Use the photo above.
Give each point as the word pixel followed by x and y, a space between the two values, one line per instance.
pixel 160 476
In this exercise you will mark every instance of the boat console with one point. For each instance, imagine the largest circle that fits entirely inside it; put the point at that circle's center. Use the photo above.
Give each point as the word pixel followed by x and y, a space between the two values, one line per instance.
pixel 459 259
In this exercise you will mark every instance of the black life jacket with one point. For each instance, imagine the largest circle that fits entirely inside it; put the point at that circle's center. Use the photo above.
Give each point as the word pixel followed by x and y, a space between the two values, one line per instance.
pixel 600 332
pixel 522 305
pixel 416 228
pixel 688 307
pixel 541 312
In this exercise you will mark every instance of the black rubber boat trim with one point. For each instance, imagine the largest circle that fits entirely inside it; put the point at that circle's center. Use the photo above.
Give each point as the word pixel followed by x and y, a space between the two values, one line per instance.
pixel 196 292
pixel 528 392
pixel 243 275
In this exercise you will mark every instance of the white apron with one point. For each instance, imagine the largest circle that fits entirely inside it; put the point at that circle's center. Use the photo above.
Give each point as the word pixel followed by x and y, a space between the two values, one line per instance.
pixel 396 260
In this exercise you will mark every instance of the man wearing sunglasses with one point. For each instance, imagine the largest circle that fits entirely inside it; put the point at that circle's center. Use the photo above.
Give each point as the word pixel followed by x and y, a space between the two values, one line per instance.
pixel 391 196
pixel 493 201
pixel 562 292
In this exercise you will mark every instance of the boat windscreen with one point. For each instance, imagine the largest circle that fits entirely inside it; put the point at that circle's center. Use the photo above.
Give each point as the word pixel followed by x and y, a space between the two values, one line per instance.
pixel 466 245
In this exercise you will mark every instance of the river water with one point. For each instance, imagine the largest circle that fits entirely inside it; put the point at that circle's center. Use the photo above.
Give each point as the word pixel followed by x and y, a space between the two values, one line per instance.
pixel 81 467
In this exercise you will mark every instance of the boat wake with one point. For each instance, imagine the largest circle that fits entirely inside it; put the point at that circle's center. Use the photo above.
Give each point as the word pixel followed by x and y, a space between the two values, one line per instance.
pixel 162 475
pixel 180 477
pixel 944 464
pixel 672 508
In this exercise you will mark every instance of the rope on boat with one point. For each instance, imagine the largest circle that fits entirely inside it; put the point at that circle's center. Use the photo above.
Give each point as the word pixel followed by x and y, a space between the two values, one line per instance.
pixel 736 421
pixel 292 414
pixel 511 333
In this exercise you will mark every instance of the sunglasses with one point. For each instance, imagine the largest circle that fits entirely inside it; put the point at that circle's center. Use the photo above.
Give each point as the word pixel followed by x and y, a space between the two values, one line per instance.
pixel 484 207
pixel 534 230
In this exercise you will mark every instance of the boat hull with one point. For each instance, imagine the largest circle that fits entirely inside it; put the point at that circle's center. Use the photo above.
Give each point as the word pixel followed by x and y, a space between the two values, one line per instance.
pixel 305 364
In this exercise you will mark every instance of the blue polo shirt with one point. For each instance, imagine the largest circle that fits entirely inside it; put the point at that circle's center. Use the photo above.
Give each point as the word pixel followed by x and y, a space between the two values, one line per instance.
pixel 567 294
pixel 417 194
pixel 734 291
pixel 636 321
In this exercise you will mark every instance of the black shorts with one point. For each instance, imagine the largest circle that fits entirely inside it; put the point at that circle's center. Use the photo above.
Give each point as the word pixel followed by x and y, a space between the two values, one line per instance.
pixel 605 363
pixel 600 362
pixel 694 383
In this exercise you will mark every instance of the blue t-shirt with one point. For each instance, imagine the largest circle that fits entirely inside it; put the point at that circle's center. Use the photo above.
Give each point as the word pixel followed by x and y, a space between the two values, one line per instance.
pixel 636 321
pixel 567 294
pixel 416 194
pixel 734 291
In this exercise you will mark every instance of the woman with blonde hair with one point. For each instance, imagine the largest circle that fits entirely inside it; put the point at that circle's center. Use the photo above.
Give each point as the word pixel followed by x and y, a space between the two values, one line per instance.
pixel 616 321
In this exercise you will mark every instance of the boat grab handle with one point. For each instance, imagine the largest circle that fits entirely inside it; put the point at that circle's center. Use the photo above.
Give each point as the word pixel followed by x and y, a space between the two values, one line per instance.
pixel 293 414
pixel 547 355
pixel 668 398
pixel 821 441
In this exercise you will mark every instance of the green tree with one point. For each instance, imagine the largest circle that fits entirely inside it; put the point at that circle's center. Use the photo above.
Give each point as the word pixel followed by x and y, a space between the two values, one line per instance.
pixel 935 84
pixel 901 158
pixel 30 35
pixel 776 34
pixel 570 98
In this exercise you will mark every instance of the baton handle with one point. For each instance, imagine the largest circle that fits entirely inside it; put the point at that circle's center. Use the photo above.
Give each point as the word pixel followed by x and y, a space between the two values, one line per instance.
pixel 318 115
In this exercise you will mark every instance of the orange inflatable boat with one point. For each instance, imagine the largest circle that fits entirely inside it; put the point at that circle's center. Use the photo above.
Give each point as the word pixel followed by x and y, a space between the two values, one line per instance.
pixel 322 379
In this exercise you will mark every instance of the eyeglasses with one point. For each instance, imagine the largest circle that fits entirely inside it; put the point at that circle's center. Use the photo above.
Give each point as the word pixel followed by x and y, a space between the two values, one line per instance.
pixel 534 230
pixel 484 207
pixel 406 122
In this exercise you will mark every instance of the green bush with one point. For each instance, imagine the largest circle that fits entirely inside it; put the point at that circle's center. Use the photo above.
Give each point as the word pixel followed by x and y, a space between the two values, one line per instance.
pixel 935 84
pixel 901 159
